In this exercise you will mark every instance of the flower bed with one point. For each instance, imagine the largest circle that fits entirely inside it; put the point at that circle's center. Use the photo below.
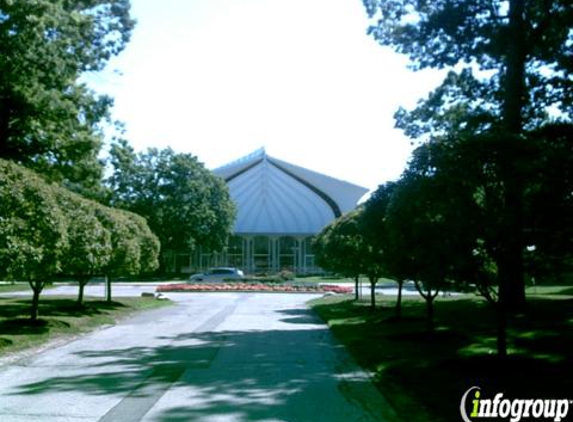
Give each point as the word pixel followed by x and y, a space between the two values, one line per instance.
pixel 253 287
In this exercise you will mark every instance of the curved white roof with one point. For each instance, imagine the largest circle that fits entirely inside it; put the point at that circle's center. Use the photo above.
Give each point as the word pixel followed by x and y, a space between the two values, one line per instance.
pixel 276 197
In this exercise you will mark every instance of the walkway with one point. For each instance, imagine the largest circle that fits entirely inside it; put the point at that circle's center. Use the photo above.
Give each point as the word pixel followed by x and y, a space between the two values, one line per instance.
pixel 211 357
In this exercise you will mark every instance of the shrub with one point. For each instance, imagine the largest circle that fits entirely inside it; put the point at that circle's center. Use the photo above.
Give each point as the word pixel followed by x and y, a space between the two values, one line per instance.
pixel 286 275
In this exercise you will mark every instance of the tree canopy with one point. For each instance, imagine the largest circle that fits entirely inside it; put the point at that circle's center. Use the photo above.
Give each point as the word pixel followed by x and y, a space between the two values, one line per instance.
pixel 89 242
pixel 348 246
pixel 46 231
pixel 49 120
pixel 338 247
pixel 510 60
pixel 183 202
pixel 33 228
pixel 510 65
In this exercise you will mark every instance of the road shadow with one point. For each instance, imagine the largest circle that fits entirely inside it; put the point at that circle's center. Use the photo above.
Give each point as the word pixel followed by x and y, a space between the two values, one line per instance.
pixel 300 316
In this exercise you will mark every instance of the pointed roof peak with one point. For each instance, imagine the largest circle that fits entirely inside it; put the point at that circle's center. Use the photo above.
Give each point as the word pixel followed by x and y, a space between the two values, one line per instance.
pixel 254 156
pixel 261 152
pixel 274 196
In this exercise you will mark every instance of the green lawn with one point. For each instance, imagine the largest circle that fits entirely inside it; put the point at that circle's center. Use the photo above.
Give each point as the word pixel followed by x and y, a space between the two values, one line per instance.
pixel 336 279
pixel 60 317
pixel 424 376
pixel 14 287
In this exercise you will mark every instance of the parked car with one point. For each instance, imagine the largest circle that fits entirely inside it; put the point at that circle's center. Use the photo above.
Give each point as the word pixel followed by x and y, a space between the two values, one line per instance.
pixel 218 274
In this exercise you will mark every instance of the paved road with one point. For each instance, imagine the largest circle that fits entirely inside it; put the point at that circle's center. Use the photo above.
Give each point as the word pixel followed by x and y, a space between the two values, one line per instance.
pixel 211 357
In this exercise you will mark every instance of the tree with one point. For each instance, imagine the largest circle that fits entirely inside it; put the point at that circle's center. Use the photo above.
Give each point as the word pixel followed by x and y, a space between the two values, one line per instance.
pixel 125 249
pixel 467 194
pixel 46 230
pixel 184 203
pixel 372 251
pixel 33 230
pixel 89 242
pixel 149 245
pixel 375 220
pixel 512 65
pixel 429 234
pixel 549 203
pixel 346 247
pixel 465 169
pixel 135 249
pixel 338 248
pixel 49 120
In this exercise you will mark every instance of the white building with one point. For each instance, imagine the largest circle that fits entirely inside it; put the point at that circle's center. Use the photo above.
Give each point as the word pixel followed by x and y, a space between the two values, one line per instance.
pixel 280 207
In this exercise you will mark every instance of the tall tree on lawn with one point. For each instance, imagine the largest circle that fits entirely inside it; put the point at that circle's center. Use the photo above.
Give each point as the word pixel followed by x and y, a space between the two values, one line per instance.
pixel 511 64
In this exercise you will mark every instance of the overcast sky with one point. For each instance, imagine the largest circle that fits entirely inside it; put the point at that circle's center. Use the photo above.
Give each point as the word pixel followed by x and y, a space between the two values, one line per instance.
pixel 222 78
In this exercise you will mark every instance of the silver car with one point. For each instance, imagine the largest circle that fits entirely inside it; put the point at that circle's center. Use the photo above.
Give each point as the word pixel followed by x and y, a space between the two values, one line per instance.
pixel 218 274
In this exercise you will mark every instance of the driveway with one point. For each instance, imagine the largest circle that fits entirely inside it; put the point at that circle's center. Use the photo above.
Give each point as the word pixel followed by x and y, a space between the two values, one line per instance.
pixel 211 357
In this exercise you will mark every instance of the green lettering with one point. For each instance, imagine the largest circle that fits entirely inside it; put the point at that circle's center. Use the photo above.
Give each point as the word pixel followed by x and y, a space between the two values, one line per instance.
pixel 476 405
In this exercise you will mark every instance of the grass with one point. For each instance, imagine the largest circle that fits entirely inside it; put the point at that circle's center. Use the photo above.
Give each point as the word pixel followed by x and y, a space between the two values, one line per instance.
pixel 425 375
pixel 338 279
pixel 60 317
pixel 14 287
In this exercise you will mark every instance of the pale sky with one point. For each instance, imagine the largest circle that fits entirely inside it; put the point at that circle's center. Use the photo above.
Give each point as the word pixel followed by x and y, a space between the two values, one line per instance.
pixel 222 78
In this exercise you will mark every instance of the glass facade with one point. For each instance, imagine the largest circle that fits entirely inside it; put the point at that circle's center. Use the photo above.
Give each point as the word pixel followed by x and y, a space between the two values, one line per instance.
pixel 258 254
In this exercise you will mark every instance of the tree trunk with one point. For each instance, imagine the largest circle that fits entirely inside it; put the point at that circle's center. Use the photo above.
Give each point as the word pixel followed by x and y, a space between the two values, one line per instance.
pixel 511 279
pixel 501 331
pixel 373 282
pixel 430 312
pixel 356 295
pixel 510 275
pixel 37 287
pixel 82 283
pixel 399 300
pixel 108 288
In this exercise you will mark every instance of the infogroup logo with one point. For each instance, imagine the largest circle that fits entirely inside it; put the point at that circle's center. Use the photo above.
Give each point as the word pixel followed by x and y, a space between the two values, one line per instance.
pixel 513 409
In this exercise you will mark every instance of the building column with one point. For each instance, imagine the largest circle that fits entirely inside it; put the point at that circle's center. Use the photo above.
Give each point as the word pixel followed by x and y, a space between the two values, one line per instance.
pixel 225 257
pixel 249 253
pixel 303 244
pixel 274 253
pixel 299 261
pixel 244 254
